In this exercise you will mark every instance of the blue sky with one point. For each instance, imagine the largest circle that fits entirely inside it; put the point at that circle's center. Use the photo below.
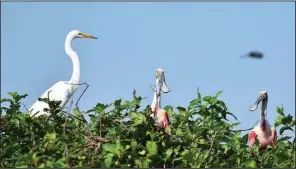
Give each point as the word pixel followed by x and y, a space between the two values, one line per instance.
pixel 197 44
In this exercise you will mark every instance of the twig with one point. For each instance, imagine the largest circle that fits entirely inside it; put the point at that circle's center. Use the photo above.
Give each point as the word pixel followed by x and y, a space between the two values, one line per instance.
pixel 212 142
pixel 152 88
pixel 93 142
pixel 25 107
pixel 173 136
pixel 87 85
pixel 100 125
pixel 70 106
pixel 243 129
pixel 66 145
pixel 69 109
pixel 160 89
pixel 247 129
pixel 73 116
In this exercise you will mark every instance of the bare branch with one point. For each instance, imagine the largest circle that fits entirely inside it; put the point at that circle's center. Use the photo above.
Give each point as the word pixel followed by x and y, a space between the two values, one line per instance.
pixel 247 129
pixel 87 85
pixel 25 107
pixel 66 145
pixel 70 106
pixel 152 88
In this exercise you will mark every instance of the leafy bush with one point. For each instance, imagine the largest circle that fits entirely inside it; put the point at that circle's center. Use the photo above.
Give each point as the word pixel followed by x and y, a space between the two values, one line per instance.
pixel 121 135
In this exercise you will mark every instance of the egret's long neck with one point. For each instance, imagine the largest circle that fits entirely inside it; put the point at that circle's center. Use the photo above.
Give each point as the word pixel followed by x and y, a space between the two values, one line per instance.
pixel 263 115
pixel 75 60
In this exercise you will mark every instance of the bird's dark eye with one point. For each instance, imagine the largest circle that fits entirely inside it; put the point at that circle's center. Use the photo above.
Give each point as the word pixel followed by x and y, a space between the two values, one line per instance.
pixel 79 33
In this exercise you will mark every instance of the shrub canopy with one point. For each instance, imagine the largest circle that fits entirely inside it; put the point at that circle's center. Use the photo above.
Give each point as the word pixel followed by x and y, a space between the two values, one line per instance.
pixel 121 135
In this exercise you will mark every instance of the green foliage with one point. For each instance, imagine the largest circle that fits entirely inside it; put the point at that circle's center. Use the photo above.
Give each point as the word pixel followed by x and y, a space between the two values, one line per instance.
pixel 122 135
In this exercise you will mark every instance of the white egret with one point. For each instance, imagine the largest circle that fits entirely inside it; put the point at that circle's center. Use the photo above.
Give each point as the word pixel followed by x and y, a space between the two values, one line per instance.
pixel 62 90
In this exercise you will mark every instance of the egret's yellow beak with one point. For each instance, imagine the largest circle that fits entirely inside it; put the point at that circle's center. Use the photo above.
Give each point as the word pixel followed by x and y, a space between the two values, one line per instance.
pixel 87 36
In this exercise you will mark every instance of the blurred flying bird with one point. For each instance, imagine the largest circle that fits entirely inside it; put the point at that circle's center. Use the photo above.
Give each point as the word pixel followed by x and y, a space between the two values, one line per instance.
pixel 254 54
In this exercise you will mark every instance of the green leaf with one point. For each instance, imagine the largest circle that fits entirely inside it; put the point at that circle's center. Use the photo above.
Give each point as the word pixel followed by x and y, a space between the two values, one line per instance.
pixel 125 165
pixel 252 164
pixel 207 99
pixel 179 132
pixel 143 152
pixel 50 137
pixel 181 108
pixel 117 103
pixel 168 153
pixel 187 157
pixel 6 100
pixel 284 138
pixel 138 118
pixel 134 94
pixel 278 121
pixel 101 107
pixel 287 119
pixel 146 163
pixel 284 128
pixel 234 124
pixel 202 141
pixel 24 166
pixel 108 160
pixel 14 95
pixel 218 94
pixel 152 147
pixel 76 112
pixel 198 94
pixel 167 108
pixel 280 111
pixel 127 147
pixel 110 147
pixel 133 144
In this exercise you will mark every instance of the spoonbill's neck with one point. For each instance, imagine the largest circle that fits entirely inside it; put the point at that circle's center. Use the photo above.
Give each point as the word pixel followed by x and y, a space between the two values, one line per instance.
pixel 156 99
pixel 263 115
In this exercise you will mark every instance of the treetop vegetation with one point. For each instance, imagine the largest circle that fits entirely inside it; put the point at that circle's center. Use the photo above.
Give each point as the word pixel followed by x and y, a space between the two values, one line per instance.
pixel 122 134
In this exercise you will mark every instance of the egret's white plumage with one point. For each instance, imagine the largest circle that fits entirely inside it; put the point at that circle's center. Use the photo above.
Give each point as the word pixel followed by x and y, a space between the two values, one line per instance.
pixel 63 90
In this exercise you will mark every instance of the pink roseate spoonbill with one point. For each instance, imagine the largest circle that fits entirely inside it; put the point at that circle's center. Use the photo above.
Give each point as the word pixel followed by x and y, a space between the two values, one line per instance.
pixel 266 134
pixel 63 90
pixel 161 86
